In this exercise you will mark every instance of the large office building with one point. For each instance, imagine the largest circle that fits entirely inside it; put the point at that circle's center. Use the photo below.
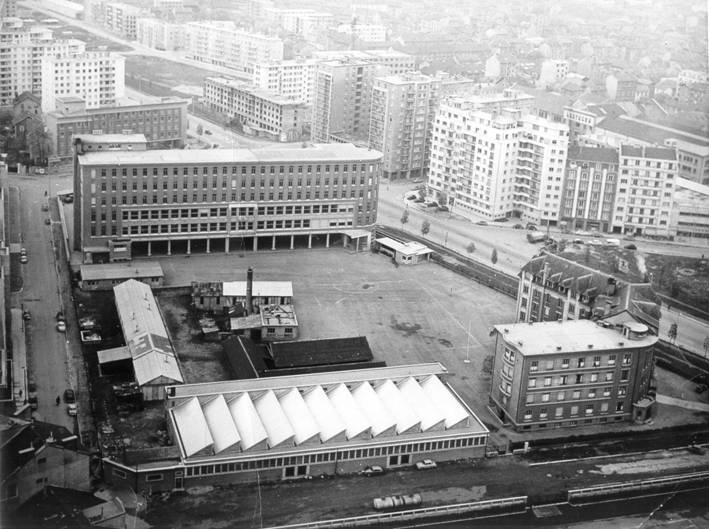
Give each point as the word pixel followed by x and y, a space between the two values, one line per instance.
pixel 163 123
pixel 176 200
pixel 285 427
pixel 571 373
pixel 159 34
pixel 22 48
pixel 98 77
pixel 222 44
pixel 575 285
pixel 588 194
pixel 260 112
pixel 645 191
pixel 294 79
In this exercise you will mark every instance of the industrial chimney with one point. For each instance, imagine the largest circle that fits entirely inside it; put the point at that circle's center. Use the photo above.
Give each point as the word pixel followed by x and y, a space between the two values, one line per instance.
pixel 249 290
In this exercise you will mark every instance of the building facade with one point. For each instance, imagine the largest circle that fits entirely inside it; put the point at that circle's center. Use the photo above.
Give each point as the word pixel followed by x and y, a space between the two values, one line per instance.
pixel 285 427
pixel 294 79
pixel 260 112
pixel 121 18
pixel 645 191
pixel 164 124
pixel 588 192
pixel 166 200
pixel 571 373
pixel 98 77
pixel 222 44
pixel 159 34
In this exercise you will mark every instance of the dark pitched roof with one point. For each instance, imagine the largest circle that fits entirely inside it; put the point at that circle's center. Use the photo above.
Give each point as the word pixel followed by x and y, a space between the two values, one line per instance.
pixel 320 352
pixel 25 96
pixel 646 131
pixel 593 154
pixel 659 153
pixel 552 102
pixel 246 358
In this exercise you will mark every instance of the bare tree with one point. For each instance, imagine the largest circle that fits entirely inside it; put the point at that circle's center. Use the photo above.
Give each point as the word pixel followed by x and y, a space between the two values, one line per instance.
pixel 425 228
pixel 672 333
pixel 493 257
pixel 404 218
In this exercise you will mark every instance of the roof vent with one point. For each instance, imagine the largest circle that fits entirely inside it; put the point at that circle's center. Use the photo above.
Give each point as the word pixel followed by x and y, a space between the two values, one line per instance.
pixel 506 330
pixel 520 343
pixel 590 346
pixel 621 344
pixel 558 348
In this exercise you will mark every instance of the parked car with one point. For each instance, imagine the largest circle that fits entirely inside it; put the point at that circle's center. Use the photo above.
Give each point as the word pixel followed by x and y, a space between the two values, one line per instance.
pixel 71 409
pixel 518 226
pixel 411 197
pixel 26 315
pixel 443 208
pixel 374 470
pixel 502 219
pixel 90 337
pixel 630 246
pixel 419 200
pixel 23 251
pixel 68 198
pixel 45 207
pixel 60 316
pixel 531 226
pixel 24 259
pixel 481 223
pixel 69 396
pixel 391 502
pixel 698 450
pixel 87 323
pixel 208 132
pixel 426 464
pixel 432 204
pixel 61 326
pixel 40 170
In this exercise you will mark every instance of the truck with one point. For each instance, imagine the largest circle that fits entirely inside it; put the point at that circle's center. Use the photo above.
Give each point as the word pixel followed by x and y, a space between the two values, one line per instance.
pixel 536 236
pixel 393 502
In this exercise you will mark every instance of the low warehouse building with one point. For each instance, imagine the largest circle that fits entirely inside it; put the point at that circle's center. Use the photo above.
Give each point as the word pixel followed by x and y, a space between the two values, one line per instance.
pixel 218 295
pixel 303 425
pixel 107 276
pixel 411 252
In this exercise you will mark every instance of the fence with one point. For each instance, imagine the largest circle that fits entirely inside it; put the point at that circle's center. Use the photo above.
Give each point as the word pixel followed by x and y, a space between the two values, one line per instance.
pixel 512 505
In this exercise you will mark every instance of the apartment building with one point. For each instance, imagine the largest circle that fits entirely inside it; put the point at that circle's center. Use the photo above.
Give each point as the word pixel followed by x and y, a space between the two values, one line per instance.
pixel 307 23
pixel 22 48
pixel 645 191
pixel 571 373
pixel 121 18
pixel 551 72
pixel 294 79
pixel 588 192
pixel 165 201
pixel 8 8
pixel 163 123
pixel 365 32
pixel 260 112
pixel 98 77
pixel 222 44
pixel 159 34
pixel 342 100
pixel 596 283
pixel 689 212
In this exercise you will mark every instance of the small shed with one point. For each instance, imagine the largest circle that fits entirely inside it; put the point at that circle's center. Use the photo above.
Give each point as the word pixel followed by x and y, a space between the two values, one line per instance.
pixel 107 276
pixel 409 253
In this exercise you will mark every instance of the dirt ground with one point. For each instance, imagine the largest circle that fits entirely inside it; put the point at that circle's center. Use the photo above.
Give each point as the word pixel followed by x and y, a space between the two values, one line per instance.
pixel 684 278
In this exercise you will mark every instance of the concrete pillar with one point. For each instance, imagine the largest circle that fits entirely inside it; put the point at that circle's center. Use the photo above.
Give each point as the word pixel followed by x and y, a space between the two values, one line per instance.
pixel 226 244
pixel 327 240
pixel 207 245
pixel 344 241
pixel 273 242
pixel 189 246
pixel 169 247
pixel 150 248
pixel 255 243
pixel 291 241
pixel 310 240
pixel 357 244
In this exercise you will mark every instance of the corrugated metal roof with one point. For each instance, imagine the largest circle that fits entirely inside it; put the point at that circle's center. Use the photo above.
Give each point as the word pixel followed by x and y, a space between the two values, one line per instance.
pixel 325 414
pixel 221 425
pixel 369 402
pixel 299 416
pixel 260 288
pixel 274 419
pixel 247 421
pixel 429 414
pixel 194 435
pixel 406 418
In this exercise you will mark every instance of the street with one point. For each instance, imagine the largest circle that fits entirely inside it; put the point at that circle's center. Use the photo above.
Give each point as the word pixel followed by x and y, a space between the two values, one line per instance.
pixel 692 333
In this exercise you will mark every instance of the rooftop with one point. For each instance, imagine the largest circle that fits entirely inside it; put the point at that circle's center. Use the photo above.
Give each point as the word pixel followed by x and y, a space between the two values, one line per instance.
pixel 658 153
pixel 113 138
pixel 593 154
pixel 278 315
pixel 97 272
pixel 570 336
pixel 317 352
pixel 319 152
pixel 648 132
pixel 407 248
pixel 244 86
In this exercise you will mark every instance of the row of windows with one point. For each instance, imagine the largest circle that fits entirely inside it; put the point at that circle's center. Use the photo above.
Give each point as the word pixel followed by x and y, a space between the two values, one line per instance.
pixel 225 182
pixel 247 211
pixel 580 363
pixel 206 227
pixel 235 169
pixel 324 457
pixel 591 393
pixel 578 378
pixel 155 199
pixel 590 409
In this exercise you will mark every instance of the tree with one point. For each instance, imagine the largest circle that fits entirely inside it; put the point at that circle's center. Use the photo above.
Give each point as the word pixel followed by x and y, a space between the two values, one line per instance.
pixel 675 289
pixel 425 228
pixel 672 332
pixel 404 218
pixel 470 248
pixel 493 257
pixel 199 129
pixel 38 142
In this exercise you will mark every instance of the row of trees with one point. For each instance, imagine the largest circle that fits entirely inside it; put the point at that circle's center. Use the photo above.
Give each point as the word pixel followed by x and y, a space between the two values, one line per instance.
pixel 426 228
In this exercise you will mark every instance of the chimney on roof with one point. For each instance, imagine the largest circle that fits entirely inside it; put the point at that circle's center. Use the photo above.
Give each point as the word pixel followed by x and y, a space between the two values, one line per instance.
pixel 249 290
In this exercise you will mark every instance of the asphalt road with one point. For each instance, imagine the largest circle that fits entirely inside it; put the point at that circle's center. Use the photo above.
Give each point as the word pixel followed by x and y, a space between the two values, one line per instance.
pixel 691 332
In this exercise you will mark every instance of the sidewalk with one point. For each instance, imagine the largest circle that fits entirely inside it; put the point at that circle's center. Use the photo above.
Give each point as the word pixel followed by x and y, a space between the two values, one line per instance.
pixel 19 358
pixel 686 404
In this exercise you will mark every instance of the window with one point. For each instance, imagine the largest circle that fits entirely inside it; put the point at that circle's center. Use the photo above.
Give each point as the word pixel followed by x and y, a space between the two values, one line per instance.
pixel 509 355
pixel 534 366
pixel 576 394
pixel 550 364
pixel 530 398
pixel 611 360
pixel 528 415
pixel 153 477
pixel 119 473
pixel 543 414
pixel 592 393
pixel 596 361
pixel 622 391
pixel 619 406
pixel 545 397
pixel 581 362
pixel 589 409
pixel 606 392
pixel 547 381
pixel 627 358
pixel 608 376
pixel 624 374
pixel 559 412
pixel 594 377
pixel 565 363
pixel 604 407
pixel 574 410
pixel 561 395
pixel 532 383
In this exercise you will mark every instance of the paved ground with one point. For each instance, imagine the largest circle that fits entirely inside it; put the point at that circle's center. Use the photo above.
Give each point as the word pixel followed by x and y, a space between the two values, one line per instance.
pixel 408 314
pixel 692 333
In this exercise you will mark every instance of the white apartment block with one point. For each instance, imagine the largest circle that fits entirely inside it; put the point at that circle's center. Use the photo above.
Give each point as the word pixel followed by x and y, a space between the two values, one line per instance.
pixel 290 78
pixel 473 159
pixel 262 113
pixel 222 44
pixel 541 163
pixel 645 191
pixel 403 109
pixel 552 71
pixel 21 51
pixel 305 22
pixel 121 18
pixel 159 34
pixel 342 100
pixel 365 32
pixel 98 77
pixel 397 62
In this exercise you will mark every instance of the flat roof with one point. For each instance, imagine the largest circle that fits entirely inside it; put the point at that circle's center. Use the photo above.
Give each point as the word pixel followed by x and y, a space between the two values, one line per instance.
pixel 659 153
pixel 316 411
pixel 647 131
pixel 319 152
pixel 278 315
pixel 569 336
pixel 97 272
pixel 112 138
pixel 318 352
pixel 258 288
pixel 405 248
